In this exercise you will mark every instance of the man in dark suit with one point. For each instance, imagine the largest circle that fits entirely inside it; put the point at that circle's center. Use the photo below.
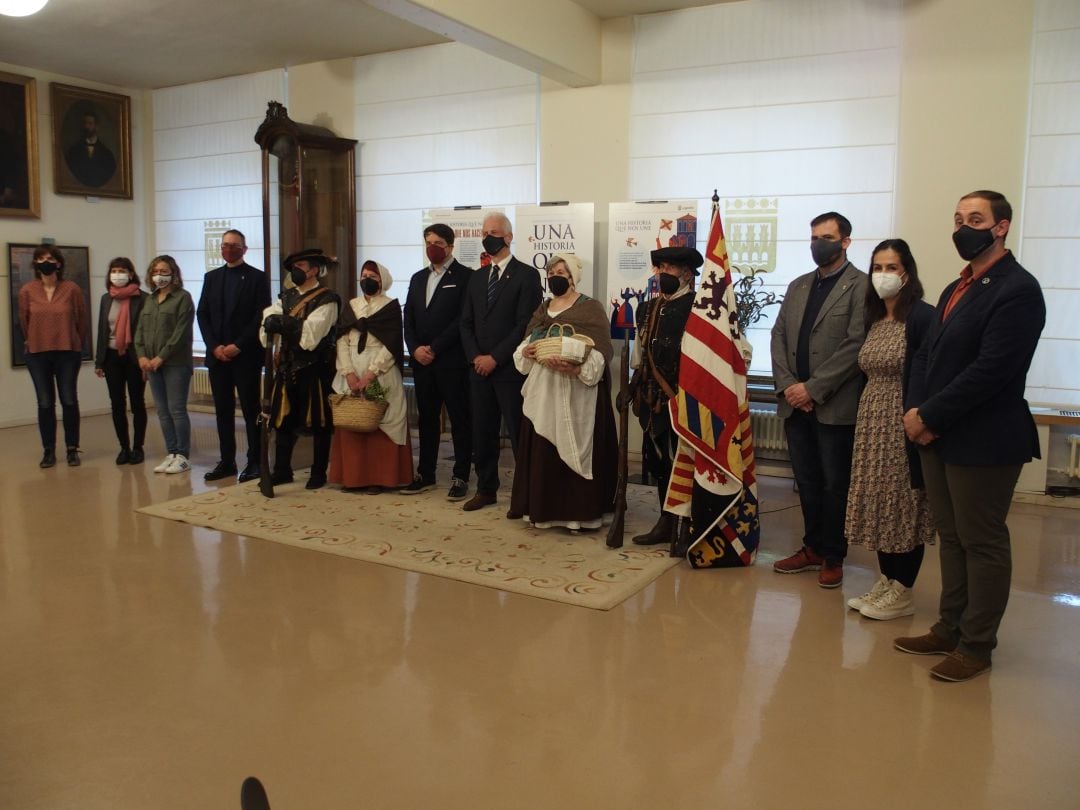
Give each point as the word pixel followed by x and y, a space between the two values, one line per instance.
pixel 230 312
pixel 432 322
pixel 91 161
pixel 966 410
pixel 500 301
pixel 815 355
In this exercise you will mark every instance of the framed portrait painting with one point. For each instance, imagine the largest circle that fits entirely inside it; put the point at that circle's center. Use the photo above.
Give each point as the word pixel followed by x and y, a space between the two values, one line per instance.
pixel 91 137
pixel 19 191
pixel 21 265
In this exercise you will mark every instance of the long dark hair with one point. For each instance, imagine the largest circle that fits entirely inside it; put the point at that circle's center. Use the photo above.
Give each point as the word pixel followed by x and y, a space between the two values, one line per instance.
pixel 911 292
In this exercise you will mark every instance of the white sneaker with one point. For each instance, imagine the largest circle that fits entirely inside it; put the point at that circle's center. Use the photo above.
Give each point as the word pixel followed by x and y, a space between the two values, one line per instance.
pixel 164 465
pixel 895 602
pixel 859 602
pixel 179 465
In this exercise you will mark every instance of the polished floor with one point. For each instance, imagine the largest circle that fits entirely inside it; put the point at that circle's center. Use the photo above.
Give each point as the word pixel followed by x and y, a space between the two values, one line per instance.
pixel 147 664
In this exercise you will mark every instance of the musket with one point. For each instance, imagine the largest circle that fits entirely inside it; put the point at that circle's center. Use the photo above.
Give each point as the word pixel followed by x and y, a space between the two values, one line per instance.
pixel 266 476
pixel 618 522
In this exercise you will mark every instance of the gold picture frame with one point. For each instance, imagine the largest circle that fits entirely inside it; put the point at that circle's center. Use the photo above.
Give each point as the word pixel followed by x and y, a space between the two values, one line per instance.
pixel 91 139
pixel 20 192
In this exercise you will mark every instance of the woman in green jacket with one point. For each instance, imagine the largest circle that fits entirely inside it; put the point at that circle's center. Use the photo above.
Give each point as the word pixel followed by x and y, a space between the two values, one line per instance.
pixel 163 344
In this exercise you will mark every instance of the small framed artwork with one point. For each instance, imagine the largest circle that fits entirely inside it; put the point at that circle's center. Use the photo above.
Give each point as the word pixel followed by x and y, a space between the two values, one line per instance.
pixel 91 136
pixel 19 191
pixel 21 265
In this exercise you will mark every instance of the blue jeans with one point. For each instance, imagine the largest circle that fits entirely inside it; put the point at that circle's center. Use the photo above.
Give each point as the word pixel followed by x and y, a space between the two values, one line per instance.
pixel 821 461
pixel 169 386
pixel 54 372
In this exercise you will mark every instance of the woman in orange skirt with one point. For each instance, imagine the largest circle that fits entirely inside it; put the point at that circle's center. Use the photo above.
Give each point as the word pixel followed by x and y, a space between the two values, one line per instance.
pixel 370 347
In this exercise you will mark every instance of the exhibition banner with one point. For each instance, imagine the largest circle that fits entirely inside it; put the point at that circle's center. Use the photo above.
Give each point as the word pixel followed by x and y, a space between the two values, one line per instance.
pixel 468 224
pixel 540 231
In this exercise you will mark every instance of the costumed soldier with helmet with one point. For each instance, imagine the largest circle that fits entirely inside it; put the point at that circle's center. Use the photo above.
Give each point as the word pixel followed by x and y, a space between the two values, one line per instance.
pixel 305 317
pixel 661 323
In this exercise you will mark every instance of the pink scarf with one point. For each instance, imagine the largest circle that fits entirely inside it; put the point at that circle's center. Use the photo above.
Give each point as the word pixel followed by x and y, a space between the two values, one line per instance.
pixel 123 317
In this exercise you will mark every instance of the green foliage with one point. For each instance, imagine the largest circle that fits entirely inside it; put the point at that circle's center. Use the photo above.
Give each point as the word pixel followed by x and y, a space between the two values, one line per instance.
pixel 375 392
pixel 751 301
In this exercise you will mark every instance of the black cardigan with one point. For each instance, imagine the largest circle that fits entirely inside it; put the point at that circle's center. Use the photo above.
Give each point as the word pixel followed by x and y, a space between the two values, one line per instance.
pixel 916 328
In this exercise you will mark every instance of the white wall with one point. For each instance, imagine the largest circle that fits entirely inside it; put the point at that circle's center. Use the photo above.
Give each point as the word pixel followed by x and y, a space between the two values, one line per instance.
pixel 1051 222
pixel 108 227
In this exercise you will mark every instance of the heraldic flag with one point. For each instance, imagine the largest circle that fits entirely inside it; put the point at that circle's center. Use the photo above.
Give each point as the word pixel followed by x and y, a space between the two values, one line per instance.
pixel 713 480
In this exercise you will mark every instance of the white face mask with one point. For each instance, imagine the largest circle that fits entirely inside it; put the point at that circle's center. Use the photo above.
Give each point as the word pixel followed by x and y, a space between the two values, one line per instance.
pixel 161 282
pixel 887 285
pixel 119 279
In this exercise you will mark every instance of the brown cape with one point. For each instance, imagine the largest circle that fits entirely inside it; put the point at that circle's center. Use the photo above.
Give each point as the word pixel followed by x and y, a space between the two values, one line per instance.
pixel 385 325
pixel 586 316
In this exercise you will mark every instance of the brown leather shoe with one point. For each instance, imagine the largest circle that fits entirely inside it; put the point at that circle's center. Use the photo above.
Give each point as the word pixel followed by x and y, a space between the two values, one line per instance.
pixel 831 575
pixel 660 533
pixel 928 644
pixel 959 667
pixel 512 515
pixel 479 501
pixel 805 559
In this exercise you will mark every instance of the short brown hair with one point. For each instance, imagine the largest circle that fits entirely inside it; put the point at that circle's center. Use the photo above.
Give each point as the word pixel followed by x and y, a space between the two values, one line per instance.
pixel 123 263
pixel 999 206
pixel 52 252
pixel 178 280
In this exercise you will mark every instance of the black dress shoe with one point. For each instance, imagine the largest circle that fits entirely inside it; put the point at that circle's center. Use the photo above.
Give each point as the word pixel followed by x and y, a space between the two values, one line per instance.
pixel 250 473
pixel 221 470
pixel 660 533
pixel 281 477
pixel 316 482
pixel 73 459
pixel 512 515
pixel 123 457
pixel 136 456
pixel 48 459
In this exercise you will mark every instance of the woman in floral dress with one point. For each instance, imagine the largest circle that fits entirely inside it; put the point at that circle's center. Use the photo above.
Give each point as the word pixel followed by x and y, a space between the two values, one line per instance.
pixel 887 510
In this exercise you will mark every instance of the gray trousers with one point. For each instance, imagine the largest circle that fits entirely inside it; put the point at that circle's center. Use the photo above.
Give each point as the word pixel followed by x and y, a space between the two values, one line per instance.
pixel 970 505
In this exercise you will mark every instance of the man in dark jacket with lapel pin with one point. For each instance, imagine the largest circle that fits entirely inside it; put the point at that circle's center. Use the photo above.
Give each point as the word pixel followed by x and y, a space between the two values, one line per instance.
pixel 500 301
pixel 432 322
pixel 966 410
pixel 230 313
pixel 815 355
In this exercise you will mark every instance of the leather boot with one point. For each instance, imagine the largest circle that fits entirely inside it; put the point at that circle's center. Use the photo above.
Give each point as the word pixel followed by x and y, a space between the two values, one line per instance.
pixel 660 533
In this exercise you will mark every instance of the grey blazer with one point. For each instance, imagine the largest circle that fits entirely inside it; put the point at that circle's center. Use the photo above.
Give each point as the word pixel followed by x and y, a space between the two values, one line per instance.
pixel 835 380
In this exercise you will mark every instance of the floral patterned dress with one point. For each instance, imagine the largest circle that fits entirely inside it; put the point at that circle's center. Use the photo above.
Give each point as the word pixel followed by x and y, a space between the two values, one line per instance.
pixel 884 513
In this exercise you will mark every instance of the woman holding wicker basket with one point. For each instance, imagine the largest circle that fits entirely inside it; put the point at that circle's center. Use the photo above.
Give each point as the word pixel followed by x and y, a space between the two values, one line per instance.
pixel 567 459
pixel 370 354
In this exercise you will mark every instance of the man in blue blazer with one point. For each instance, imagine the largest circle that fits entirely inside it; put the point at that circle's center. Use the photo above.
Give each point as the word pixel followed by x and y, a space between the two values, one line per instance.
pixel 966 410
pixel 432 322
pixel 500 301
pixel 230 312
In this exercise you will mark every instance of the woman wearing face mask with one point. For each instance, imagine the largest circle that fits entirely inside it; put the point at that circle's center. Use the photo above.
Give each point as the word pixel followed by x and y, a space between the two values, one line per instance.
pixel 887 511
pixel 163 344
pixel 55 323
pixel 371 348
pixel 567 453
pixel 115 359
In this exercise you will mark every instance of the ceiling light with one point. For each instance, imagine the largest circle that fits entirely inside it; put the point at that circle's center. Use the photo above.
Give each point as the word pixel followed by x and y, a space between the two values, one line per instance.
pixel 21 8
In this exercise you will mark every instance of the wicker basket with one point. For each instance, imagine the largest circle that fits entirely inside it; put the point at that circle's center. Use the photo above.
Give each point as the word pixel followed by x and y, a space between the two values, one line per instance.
pixel 553 345
pixel 356 413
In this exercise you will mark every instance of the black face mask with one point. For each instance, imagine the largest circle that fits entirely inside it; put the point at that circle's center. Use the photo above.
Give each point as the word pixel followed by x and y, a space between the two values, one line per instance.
pixel 825 251
pixel 298 276
pixel 46 268
pixel 369 285
pixel 669 285
pixel 558 285
pixel 970 242
pixel 493 245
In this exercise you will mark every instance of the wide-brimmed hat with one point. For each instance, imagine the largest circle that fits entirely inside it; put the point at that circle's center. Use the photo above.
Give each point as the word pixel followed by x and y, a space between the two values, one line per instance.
pixel 686 257
pixel 313 256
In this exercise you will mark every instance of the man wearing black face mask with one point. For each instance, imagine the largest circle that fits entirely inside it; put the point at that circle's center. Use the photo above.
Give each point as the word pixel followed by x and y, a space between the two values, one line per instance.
pixel 305 317
pixel 230 311
pixel 498 305
pixel 432 321
pixel 815 352
pixel 657 351
pixel 968 414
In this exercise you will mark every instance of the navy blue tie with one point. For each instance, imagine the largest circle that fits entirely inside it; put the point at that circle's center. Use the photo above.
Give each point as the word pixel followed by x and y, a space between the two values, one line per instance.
pixel 493 283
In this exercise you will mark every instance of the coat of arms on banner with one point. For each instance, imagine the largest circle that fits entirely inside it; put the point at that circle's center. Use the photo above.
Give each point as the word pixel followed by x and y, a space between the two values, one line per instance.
pixel 213 231
pixel 751 234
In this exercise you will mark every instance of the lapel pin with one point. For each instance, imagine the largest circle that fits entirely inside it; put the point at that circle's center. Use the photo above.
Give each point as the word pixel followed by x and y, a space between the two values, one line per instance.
pixel 986 281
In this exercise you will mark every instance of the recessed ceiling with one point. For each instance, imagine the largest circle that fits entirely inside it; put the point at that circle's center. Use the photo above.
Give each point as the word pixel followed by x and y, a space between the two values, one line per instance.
pixel 160 43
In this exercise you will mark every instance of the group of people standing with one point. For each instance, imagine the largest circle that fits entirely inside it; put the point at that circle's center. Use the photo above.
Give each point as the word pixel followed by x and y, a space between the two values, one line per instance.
pixel 903 420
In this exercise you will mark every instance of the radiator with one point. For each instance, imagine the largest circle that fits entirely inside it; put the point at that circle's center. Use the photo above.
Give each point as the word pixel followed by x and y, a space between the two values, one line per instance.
pixel 1074 456
pixel 768 430
pixel 200 382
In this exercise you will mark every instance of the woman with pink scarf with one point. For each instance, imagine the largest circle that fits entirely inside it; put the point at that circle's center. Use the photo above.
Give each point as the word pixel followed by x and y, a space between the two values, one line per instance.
pixel 115 359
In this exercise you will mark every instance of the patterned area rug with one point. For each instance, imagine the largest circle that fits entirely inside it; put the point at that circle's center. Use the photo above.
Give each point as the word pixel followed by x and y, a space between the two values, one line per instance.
pixel 428 534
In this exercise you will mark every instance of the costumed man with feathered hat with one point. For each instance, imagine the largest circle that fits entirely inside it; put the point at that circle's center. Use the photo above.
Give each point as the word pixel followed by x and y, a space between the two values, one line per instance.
pixel 657 350
pixel 304 317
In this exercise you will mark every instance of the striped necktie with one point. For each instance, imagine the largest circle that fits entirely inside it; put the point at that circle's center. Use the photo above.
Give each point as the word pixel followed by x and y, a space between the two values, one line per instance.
pixel 493 282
